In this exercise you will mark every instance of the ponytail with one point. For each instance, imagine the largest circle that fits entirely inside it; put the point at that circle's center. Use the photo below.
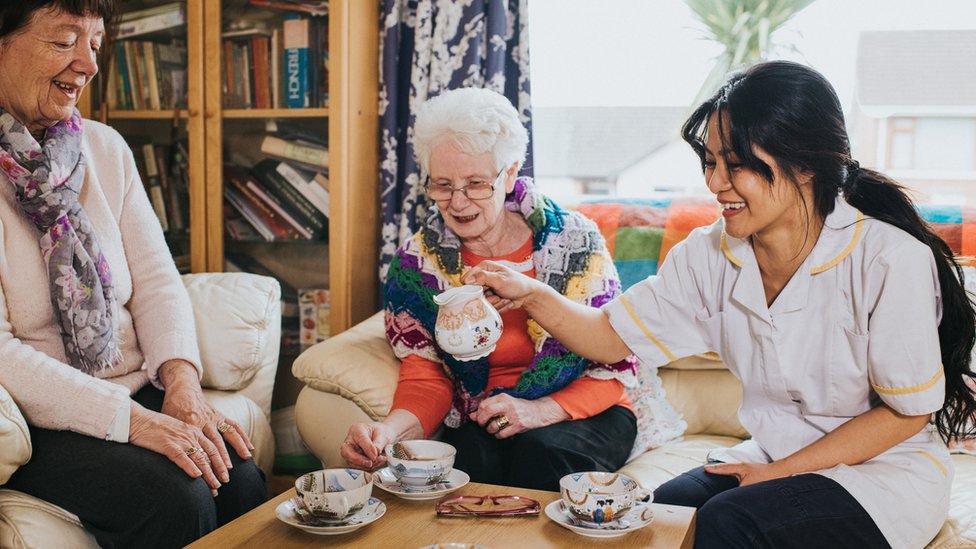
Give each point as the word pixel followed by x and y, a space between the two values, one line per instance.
pixel 883 199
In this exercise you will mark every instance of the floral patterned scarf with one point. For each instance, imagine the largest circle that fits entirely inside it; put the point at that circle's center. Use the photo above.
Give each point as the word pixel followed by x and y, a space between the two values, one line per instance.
pixel 48 179
pixel 569 254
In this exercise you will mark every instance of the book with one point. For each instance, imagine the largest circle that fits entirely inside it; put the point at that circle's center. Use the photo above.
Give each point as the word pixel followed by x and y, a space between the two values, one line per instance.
pixel 149 55
pixel 296 43
pixel 256 208
pixel 313 307
pixel 311 7
pixel 153 184
pixel 298 205
pixel 275 205
pixel 150 21
pixel 248 213
pixel 317 157
pixel 276 49
pixel 261 47
pixel 318 196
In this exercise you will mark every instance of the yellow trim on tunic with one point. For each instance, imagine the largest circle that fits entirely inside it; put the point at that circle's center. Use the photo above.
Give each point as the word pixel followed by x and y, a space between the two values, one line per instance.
pixel 724 243
pixel 647 332
pixel 855 238
pixel 912 389
pixel 935 460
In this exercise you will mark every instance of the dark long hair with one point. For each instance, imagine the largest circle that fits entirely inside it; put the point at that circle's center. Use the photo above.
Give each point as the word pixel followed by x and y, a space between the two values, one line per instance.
pixel 793 114
pixel 17 14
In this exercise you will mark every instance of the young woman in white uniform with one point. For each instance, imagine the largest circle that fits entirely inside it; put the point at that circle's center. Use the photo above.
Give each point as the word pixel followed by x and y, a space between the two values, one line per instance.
pixel 828 297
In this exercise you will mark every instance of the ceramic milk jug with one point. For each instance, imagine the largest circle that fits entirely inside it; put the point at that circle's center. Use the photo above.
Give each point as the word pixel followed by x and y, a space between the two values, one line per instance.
pixel 467 325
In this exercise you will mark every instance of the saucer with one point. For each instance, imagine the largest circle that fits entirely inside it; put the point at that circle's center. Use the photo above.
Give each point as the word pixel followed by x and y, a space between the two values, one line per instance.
pixel 636 518
pixel 384 480
pixel 373 510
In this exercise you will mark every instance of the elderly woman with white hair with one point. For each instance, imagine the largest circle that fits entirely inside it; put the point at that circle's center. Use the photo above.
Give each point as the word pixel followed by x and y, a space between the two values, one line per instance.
pixel 531 411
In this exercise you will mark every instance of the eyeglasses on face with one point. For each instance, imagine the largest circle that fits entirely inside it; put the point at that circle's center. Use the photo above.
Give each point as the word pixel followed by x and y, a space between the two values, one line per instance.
pixel 475 189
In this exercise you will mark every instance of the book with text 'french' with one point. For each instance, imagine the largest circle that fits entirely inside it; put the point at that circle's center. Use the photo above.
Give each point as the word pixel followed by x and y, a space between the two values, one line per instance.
pixel 296 41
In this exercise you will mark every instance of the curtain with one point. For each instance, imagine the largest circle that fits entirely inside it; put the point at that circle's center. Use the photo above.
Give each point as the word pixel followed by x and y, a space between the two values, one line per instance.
pixel 427 47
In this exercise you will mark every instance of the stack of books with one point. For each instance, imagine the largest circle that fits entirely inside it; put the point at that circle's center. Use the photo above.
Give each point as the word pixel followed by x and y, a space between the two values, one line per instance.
pixel 277 68
pixel 283 197
pixel 148 73
pixel 164 170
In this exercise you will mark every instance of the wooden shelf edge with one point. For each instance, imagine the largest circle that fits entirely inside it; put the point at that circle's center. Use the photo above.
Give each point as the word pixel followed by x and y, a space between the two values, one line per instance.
pixel 322 112
pixel 145 115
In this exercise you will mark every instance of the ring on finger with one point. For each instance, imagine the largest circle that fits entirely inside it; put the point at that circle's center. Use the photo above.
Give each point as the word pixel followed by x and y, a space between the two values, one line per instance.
pixel 501 422
pixel 194 450
pixel 223 427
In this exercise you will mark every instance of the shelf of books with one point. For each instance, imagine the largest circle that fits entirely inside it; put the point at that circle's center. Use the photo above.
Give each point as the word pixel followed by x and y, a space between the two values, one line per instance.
pixel 273 133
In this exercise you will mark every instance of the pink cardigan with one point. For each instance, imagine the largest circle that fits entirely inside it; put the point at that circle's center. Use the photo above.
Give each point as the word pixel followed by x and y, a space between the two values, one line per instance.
pixel 156 320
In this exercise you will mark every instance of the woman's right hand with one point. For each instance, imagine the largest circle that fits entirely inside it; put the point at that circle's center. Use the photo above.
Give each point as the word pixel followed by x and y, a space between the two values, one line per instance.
pixel 509 289
pixel 182 443
pixel 364 444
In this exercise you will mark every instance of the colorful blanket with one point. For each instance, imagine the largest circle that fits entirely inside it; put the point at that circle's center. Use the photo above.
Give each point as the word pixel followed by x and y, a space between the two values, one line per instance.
pixel 568 255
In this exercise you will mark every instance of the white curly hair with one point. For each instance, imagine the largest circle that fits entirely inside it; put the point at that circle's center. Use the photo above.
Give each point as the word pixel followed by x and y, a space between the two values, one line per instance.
pixel 476 121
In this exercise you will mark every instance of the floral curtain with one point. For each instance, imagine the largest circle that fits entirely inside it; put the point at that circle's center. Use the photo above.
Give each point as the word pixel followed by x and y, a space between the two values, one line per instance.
pixel 426 47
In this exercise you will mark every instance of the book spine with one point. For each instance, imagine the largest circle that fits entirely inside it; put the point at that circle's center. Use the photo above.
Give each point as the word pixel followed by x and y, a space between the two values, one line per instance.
pixel 143 78
pixel 153 23
pixel 315 194
pixel 272 219
pixel 262 80
pixel 270 200
pixel 130 61
pixel 300 206
pixel 276 69
pixel 296 36
pixel 248 213
pixel 247 68
pixel 154 185
pixel 149 51
pixel 292 151
pixel 317 8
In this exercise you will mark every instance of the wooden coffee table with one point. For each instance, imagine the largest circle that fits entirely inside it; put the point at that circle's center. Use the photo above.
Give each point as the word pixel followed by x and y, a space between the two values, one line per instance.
pixel 412 524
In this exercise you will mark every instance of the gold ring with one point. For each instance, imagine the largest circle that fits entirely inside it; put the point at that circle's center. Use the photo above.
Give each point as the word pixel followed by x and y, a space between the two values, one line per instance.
pixel 191 451
pixel 223 427
pixel 501 421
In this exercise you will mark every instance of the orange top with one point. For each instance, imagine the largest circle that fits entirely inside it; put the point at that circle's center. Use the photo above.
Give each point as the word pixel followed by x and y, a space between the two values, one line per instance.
pixel 425 390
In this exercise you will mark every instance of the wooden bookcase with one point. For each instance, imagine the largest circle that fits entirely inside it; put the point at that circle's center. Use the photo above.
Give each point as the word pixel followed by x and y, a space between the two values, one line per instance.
pixel 348 261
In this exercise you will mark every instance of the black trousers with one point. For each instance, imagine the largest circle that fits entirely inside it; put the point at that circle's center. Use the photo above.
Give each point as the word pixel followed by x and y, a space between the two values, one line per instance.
pixel 128 496
pixel 538 458
pixel 803 511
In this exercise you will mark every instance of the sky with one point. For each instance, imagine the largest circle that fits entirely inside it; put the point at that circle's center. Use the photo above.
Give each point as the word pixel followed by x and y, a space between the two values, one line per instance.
pixel 653 52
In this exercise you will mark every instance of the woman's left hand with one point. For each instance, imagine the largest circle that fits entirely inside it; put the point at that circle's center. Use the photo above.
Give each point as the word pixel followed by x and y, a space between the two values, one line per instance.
pixel 748 473
pixel 520 414
pixel 183 399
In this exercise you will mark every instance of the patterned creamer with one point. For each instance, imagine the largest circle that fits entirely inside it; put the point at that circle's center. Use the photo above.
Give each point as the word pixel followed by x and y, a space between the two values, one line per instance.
pixel 600 497
pixel 334 494
pixel 467 325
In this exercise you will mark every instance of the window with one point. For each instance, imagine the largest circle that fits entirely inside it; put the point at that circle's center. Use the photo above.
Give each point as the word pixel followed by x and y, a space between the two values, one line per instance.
pixel 613 81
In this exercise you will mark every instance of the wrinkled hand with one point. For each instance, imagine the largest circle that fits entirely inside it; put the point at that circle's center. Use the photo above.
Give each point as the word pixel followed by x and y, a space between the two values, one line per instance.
pixel 172 438
pixel 522 414
pixel 507 289
pixel 364 444
pixel 748 473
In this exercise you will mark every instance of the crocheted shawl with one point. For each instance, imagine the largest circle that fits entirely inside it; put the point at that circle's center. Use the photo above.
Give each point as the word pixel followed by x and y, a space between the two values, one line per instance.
pixel 569 254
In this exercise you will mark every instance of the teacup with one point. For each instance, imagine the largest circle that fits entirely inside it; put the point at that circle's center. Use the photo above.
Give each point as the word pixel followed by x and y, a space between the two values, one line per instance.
pixel 600 497
pixel 334 494
pixel 420 462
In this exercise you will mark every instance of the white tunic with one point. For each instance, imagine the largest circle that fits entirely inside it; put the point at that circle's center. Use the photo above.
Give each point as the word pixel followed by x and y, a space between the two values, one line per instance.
pixel 855 326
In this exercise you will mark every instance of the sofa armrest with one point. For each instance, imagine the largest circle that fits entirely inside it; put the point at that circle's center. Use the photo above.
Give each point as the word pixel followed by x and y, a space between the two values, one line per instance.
pixel 15 444
pixel 238 319
pixel 357 364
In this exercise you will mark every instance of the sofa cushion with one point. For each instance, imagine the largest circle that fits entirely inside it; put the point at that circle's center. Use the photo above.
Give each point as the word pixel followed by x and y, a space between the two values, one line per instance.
pixel 245 309
pixel 708 399
pixel 357 364
pixel 15 445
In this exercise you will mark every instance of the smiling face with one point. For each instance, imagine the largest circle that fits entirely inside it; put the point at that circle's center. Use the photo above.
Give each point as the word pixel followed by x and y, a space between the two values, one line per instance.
pixel 45 66
pixel 750 203
pixel 469 219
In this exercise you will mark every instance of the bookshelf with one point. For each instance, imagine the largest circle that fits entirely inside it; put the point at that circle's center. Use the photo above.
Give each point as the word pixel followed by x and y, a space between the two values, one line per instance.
pixel 215 132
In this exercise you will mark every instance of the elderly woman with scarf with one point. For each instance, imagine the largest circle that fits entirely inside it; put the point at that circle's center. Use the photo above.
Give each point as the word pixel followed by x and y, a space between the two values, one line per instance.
pixel 97 341
pixel 532 411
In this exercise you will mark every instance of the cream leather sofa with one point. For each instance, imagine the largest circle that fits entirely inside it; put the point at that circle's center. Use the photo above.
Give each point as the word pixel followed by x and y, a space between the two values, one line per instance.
pixel 238 318
pixel 351 377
